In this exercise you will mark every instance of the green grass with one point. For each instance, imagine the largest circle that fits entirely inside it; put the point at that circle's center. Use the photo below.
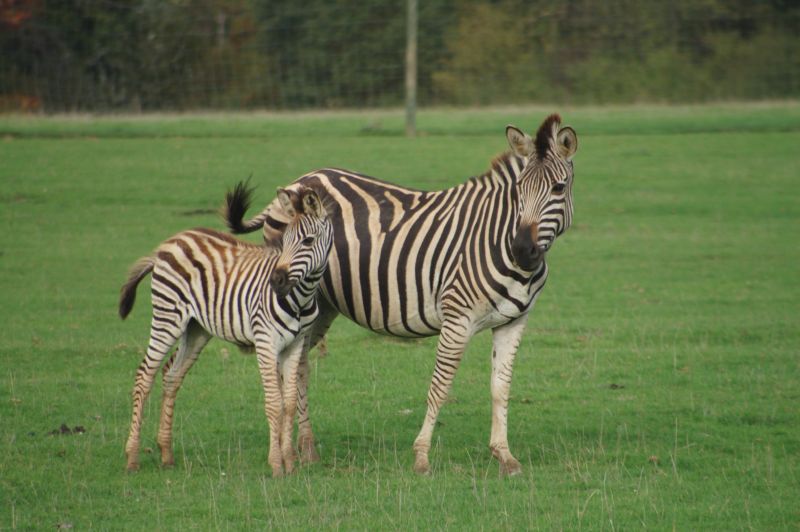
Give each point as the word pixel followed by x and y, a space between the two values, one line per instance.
pixel 657 385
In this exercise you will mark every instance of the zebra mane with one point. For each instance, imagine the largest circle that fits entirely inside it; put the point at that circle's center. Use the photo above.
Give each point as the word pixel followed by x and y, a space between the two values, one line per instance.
pixel 545 135
pixel 499 161
pixel 501 165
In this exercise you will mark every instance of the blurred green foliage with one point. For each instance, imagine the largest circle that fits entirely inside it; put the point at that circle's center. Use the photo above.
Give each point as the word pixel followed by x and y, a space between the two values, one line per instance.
pixel 99 55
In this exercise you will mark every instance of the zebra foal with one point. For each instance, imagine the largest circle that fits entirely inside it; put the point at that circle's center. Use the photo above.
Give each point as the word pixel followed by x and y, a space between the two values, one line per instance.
pixel 206 283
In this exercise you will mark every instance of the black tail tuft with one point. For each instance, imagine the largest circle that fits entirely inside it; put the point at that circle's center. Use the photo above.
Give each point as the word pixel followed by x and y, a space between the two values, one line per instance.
pixel 237 201
pixel 127 295
pixel 126 300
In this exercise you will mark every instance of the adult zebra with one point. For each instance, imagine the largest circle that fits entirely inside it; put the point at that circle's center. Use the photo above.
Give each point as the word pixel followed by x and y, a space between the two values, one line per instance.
pixel 451 262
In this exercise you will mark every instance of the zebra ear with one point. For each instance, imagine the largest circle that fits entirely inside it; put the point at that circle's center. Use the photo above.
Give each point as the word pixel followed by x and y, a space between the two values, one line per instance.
pixel 567 142
pixel 312 204
pixel 521 143
pixel 286 202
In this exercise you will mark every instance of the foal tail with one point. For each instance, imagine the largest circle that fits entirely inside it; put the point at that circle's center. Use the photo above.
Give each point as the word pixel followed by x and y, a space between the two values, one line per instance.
pixel 127 294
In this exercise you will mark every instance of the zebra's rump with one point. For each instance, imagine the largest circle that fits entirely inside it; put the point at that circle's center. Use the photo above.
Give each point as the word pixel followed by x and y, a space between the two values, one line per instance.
pixel 216 278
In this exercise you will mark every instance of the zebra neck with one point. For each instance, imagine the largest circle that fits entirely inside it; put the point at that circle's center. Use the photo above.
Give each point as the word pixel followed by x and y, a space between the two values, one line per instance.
pixel 499 189
pixel 302 296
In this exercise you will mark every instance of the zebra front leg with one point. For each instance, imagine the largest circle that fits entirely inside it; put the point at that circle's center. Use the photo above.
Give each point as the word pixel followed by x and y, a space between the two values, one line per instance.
pixel 453 340
pixel 192 342
pixel 273 402
pixel 290 360
pixel 505 340
pixel 305 437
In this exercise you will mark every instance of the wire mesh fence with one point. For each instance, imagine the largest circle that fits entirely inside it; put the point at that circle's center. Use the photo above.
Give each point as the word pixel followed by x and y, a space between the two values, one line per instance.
pixel 144 55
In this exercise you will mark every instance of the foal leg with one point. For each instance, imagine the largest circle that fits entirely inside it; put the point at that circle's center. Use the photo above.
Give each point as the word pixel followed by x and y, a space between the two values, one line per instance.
pixel 273 403
pixel 192 342
pixel 290 359
pixel 164 332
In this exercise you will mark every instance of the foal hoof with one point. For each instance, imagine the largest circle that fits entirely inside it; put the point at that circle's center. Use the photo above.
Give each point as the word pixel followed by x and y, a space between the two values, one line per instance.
pixel 288 465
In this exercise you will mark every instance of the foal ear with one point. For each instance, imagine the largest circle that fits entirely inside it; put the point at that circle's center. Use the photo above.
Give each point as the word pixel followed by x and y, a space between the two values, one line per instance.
pixel 312 204
pixel 284 196
pixel 567 142
pixel 521 143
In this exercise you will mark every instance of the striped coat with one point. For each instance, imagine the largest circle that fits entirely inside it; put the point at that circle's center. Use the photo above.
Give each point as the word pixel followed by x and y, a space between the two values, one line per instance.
pixel 206 283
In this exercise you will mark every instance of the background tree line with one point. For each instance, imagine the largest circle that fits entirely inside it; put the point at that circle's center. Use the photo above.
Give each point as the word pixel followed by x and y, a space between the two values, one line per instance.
pixel 102 55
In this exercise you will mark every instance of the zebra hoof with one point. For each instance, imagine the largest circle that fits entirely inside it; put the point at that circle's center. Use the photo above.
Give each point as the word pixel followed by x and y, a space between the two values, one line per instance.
pixel 510 468
pixel 308 455
pixel 422 466
pixel 132 467
pixel 167 459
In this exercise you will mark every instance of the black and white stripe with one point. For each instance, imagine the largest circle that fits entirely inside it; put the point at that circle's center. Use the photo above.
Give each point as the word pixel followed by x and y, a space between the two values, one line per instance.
pixel 451 262
pixel 206 283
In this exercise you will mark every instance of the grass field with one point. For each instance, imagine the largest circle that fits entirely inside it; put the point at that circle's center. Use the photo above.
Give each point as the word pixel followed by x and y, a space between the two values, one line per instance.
pixel 657 385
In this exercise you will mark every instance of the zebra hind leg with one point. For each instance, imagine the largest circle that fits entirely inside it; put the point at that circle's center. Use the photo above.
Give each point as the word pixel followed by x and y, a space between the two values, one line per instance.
pixel 163 336
pixel 314 337
pixel 191 343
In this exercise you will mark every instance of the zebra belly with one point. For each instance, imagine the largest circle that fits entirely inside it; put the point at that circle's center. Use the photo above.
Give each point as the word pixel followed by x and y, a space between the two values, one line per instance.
pixel 240 332
pixel 483 315
pixel 237 330
pixel 412 325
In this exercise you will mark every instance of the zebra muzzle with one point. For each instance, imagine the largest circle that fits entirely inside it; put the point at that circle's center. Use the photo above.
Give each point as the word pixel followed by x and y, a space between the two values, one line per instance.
pixel 527 254
pixel 280 283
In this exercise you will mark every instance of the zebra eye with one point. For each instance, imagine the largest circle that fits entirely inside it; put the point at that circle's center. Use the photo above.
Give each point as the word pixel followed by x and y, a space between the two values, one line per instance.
pixel 308 241
pixel 559 188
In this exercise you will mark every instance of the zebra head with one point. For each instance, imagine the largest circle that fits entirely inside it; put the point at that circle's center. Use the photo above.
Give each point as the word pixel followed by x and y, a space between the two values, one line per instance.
pixel 544 188
pixel 304 244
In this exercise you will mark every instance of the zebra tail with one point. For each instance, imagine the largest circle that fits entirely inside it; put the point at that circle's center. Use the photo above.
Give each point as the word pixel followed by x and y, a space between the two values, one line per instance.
pixel 127 294
pixel 237 201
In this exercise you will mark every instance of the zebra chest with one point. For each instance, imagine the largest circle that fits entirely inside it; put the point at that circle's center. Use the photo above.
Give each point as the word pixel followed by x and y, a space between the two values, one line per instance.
pixel 288 321
pixel 503 306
